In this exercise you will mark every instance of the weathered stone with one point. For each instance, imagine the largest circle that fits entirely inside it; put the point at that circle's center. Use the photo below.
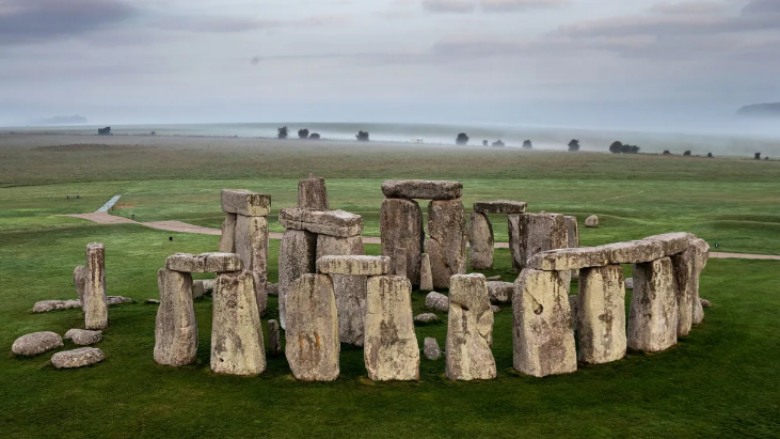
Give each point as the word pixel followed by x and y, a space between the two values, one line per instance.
pixel 592 222
pixel 601 315
pixel 447 242
pixel 702 252
pixel 36 343
pixel 630 283
pixel 312 329
pixel 94 302
pixel 437 302
pixel 501 292
pixel 399 263
pixel 245 203
pixel 176 330
pixel 705 303
pixel 354 265
pixel 495 309
pixel 574 303
pixel 237 333
pixel 634 252
pixel 570 259
pixel 227 241
pixel 312 193
pixel 401 226
pixel 652 324
pixel 572 231
pixel 204 263
pixel 55 305
pixel 118 300
pixel 431 349
pixel 426 277
pixel 426 318
pixel 543 337
pixel 80 281
pixel 423 189
pixel 391 351
pixel 531 234
pixel 501 207
pixel 331 222
pixel 198 289
pixel 272 289
pixel 274 338
pixel 350 290
pixel 152 301
pixel 252 248
pixel 83 337
pixel 673 243
pixel 470 330
pixel 480 242
pixel 495 278
pixel 297 256
pixel 684 266
pixel 76 358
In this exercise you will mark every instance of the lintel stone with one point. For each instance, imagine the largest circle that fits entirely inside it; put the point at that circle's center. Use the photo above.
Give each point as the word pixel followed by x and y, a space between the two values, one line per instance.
pixel 423 189
pixel 354 265
pixel 204 263
pixel 500 207
pixel 324 222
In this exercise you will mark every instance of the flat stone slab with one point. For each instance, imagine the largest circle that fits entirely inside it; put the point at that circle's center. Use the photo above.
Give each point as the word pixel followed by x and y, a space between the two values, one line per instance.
pixel 83 337
pixel 55 305
pixel 426 318
pixel 324 222
pixel 204 263
pixel 245 203
pixel 423 189
pixel 118 300
pixel 673 243
pixel 354 265
pixel 632 252
pixel 36 343
pixel 500 207
pixel 76 358
pixel 570 259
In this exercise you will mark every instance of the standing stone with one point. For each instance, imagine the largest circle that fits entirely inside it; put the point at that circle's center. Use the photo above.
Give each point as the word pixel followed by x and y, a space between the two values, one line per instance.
pixel 252 248
pixel 592 222
pixel 391 350
pixel 312 336
pixel 572 232
pixel 274 338
pixel 227 242
pixel 237 334
pixel 601 315
pixel 702 252
pixel 176 330
pixel 470 330
pixel 94 303
pixel 652 323
pixel 531 234
pixel 431 349
pixel 312 193
pixel 684 265
pixel 480 242
pixel 426 277
pixel 400 263
pixel 80 281
pixel 350 290
pixel 297 256
pixel 401 226
pixel 543 337
pixel 447 242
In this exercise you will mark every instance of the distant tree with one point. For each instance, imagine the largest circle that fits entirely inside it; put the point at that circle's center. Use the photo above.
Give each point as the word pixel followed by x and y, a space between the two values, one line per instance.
pixel 303 133
pixel 687 153
pixel 527 144
pixel 666 152
pixel 616 147
pixel 766 158
pixel 628 149
pixel 362 136
pixel 314 136
pixel 758 156
pixel 633 149
pixel 574 145
pixel 283 132
pixel 462 139
pixel 709 155
pixel 499 144
pixel 484 143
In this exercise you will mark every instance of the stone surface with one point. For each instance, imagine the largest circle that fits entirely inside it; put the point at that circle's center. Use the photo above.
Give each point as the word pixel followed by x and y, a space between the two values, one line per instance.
pixel 401 226
pixel 673 243
pixel 574 303
pixel 274 338
pixel 245 203
pixel 272 289
pixel 426 318
pixel 601 315
pixel 312 193
pixel 437 302
pixel 118 300
pixel 54 305
pixel 204 263
pixel 495 278
pixel 447 242
pixel 702 252
pixel 331 222
pixel 480 242
pixel 495 308
pixel 312 336
pixel 705 303
pixel 684 267
pixel 570 259
pixel 652 323
pixel 297 256
pixel 236 335
pixel 227 241
pixel 426 277
pixel 83 337
pixel 422 189
pixel 470 330
pixel 501 292
pixel 501 207
pixel 80 281
pixel 572 231
pixel 400 263
pixel 543 337
pixel 354 265
pixel 630 283
pixel 36 343
pixel 531 234
pixel 176 330
pixel 634 252
pixel 431 349
pixel 76 358
pixel 198 289
pixel 152 301
pixel 592 222
pixel 350 290
pixel 94 302
pixel 252 248
pixel 391 352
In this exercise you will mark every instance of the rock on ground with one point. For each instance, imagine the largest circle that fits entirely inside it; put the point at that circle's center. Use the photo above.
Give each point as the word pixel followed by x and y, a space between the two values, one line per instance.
pixel 495 278
pixel 426 318
pixel 36 343
pixel 227 241
pixel 480 242
pixel 272 289
pixel 94 303
pixel 75 358
pixel 54 305
pixel 152 301
pixel 501 292
pixel 437 302
pixel 431 349
pixel 246 203
pixel 706 303
pixel 118 300
pixel 297 256
pixel 83 337
pixel 426 277
pixel 252 248
pixel 652 323
pixel 601 315
pixel 401 226
pixel 630 283
pixel 176 330
pixel 423 189
pixel 312 193
pixel 447 242
pixel 470 330
pixel 592 222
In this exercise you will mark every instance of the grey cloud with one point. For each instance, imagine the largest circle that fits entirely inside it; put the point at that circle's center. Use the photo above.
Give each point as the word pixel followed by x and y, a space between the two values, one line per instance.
pixel 232 24
pixel 758 7
pixel 689 7
pixel 519 5
pixel 449 6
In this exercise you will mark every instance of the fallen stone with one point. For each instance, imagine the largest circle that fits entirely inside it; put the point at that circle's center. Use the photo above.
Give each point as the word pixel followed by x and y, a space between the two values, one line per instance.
pixel 570 259
pixel 152 302
pixel 426 318
pixel 252 248
pixel 592 222
pixel 480 242
pixel 274 338
pixel 601 315
pixel 297 256
pixel 227 241
pixel 501 292
pixel 80 281
pixel 273 289
pixel 332 222
pixel 55 305
pixel 203 287
pixel 470 330
pixel 531 234
pixel 94 303
pixel 204 263
pixel 401 226
pixel 630 283
pixel 312 329
pixel 501 207
pixel 437 302
pixel 36 343
pixel 76 358
pixel 705 303
pixel 354 265
pixel 245 203
pixel 118 300
pixel 423 189
pixel 431 349
pixel 495 278
pixel 83 337
pixel 652 323
pixel 426 277
pixel 350 290
pixel 312 193
pixel 447 242
pixel 176 330
pixel 391 351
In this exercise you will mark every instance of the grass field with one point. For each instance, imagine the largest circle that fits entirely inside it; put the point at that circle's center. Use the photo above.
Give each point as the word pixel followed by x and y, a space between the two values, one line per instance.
pixel 721 381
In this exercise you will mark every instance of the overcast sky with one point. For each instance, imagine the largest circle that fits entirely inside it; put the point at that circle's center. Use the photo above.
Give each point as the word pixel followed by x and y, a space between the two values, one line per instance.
pixel 569 62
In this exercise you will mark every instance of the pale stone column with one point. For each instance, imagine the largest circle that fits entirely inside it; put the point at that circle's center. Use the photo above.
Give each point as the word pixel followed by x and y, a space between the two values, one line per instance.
pixel 252 248
pixel 297 256
pixel 227 241
pixel 652 323
pixel 176 330
pixel 426 277
pixel 601 315
pixel 80 281
pixel 447 242
pixel 481 242
pixel 401 226
pixel 530 234
pixel 702 251
pixel 470 330
pixel 312 193
pixel 94 304
pixel 350 289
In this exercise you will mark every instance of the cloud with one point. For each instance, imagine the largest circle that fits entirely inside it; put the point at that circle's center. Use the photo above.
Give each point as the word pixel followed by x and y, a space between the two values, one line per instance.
pixel 758 7
pixel 519 5
pixel 234 24
pixel 688 7
pixel 449 6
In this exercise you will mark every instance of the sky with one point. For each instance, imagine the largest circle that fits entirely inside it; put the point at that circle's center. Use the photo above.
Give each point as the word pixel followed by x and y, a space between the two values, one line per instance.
pixel 554 62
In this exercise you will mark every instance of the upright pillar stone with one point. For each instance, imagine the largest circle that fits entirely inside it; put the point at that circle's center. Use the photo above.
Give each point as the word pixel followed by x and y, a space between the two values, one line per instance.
pixel 684 266
pixel 274 338
pixel 252 248
pixel 350 290
pixel 702 252
pixel 652 323
pixel 530 234
pixel 447 242
pixel 95 304
pixel 391 351
pixel 312 193
pixel 297 256
pixel 312 336
pixel 601 315
pixel 80 281
pixel 237 334
pixel 426 277
pixel 543 336
pixel 572 232
pixel 227 241
pixel 401 226
pixel 470 330
pixel 481 242
pixel 176 330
